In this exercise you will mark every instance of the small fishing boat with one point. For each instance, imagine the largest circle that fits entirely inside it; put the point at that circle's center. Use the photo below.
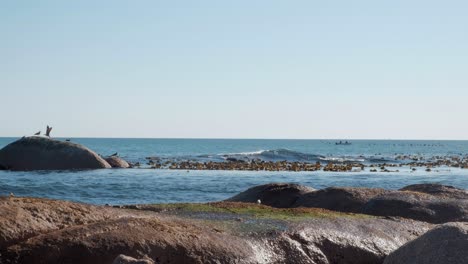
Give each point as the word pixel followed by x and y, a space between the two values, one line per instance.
pixel 343 143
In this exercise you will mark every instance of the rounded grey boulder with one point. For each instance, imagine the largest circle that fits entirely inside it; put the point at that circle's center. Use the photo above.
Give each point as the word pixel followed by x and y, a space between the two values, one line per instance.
pixel 446 243
pixel 342 199
pixel 439 190
pixel 419 206
pixel 43 153
pixel 117 162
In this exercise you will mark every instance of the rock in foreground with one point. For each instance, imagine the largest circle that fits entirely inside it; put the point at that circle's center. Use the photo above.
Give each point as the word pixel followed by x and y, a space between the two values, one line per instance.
pixel 43 153
pixel 439 190
pixel 418 206
pixel 433 203
pixel 223 232
pixel 23 218
pixel 445 244
pixel 161 240
pixel 342 199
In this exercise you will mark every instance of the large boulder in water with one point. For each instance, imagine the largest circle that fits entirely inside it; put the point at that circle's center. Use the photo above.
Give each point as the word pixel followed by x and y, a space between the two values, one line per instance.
pixel 43 153
pixel 446 243
pixel 281 195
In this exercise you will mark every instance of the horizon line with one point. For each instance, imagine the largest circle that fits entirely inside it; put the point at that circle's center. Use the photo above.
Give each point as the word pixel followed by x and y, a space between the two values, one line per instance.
pixel 228 138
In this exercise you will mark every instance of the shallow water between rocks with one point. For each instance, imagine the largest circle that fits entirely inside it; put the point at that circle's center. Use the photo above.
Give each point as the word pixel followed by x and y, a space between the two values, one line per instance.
pixel 130 186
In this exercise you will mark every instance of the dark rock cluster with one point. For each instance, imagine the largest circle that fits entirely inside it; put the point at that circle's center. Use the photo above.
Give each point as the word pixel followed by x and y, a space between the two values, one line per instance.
pixel 254 165
pixel 260 165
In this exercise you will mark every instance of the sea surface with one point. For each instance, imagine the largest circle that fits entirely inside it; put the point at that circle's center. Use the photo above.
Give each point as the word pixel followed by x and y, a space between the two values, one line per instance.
pixel 145 185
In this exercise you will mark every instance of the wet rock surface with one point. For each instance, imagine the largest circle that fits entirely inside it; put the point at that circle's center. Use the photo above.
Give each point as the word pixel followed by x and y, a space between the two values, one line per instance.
pixel 43 153
pixel 447 243
pixel 347 240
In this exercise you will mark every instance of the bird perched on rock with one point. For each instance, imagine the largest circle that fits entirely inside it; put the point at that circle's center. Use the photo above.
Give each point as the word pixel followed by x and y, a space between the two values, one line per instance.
pixel 115 154
pixel 12 195
pixel 37 133
pixel 259 201
pixel 48 131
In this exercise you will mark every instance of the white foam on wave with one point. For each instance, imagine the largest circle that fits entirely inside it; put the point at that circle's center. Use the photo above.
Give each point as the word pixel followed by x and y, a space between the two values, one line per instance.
pixel 251 153
pixel 342 159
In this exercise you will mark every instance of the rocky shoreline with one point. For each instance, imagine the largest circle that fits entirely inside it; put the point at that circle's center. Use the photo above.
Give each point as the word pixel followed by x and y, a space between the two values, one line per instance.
pixel 45 153
pixel 273 223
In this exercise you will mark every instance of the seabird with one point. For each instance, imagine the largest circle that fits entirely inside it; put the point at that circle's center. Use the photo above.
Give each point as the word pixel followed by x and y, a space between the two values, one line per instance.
pixel 115 154
pixel 12 195
pixel 38 133
pixel 48 131
pixel 259 201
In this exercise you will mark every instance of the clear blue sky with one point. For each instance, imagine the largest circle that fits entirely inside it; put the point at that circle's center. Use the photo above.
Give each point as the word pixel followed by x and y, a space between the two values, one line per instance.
pixel 235 69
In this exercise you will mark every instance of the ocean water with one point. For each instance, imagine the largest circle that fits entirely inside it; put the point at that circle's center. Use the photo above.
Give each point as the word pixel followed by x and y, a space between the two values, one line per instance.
pixel 129 186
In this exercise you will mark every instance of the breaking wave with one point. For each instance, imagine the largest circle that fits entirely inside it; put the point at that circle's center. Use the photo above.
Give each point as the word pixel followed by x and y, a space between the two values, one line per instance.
pixel 274 155
pixel 291 155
